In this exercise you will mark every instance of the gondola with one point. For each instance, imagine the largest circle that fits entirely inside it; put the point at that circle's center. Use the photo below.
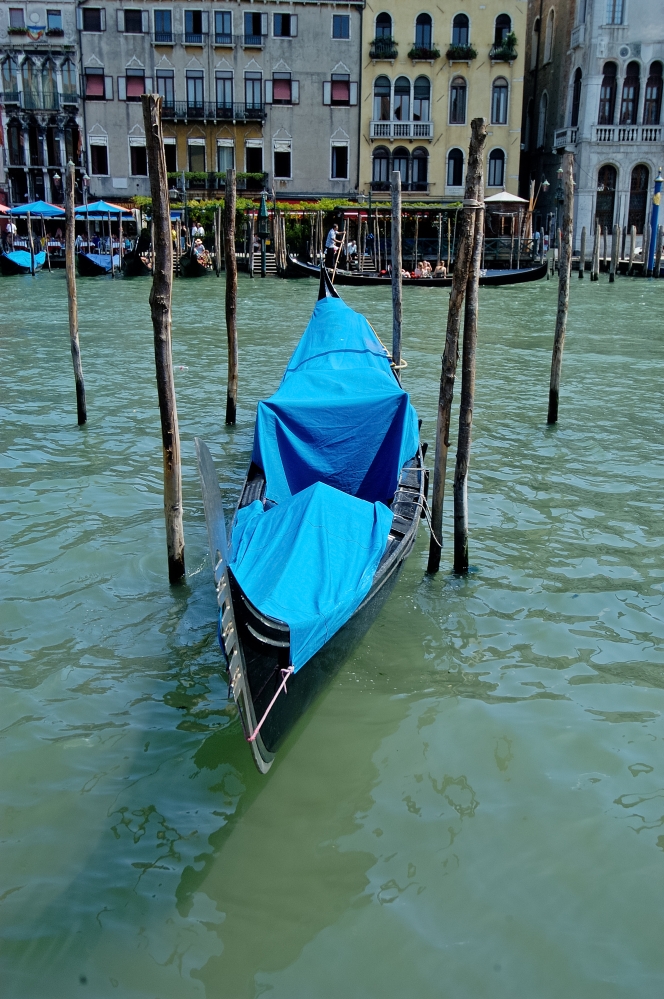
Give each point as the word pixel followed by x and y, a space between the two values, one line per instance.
pixel 327 515
pixel 297 268
pixel 18 262
pixel 134 266
pixel 95 264
pixel 191 267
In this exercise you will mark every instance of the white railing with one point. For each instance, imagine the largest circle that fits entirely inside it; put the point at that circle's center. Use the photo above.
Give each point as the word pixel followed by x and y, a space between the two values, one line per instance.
pixel 564 137
pixel 627 133
pixel 401 130
pixel 578 35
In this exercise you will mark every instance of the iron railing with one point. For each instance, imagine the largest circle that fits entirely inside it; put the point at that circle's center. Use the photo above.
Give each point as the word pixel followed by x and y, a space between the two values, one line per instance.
pixel 383 48
pixel 211 111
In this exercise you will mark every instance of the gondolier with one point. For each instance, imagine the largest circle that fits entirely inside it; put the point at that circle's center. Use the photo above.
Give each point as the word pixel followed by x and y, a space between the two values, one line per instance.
pixel 332 244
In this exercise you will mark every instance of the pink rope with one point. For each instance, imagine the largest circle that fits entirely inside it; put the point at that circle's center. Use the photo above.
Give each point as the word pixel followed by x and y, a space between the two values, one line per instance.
pixel 285 674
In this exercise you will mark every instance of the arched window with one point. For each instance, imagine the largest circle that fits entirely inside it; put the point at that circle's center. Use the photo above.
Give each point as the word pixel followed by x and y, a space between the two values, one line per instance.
pixel 30 85
pixel 499 101
pixel 422 99
pixel 630 95
pixel 607 94
pixel 458 93
pixel 382 90
pixel 652 107
pixel 638 197
pixel 400 162
pixel 455 168
pixel 528 130
pixel 10 77
pixel 383 26
pixel 541 120
pixel 15 136
pixel 49 86
pixel 423 31
pixel 548 38
pixel 68 77
pixel 401 110
pixel 533 43
pixel 576 97
pixel 461 30
pixel 380 172
pixel 606 196
pixel 420 169
pixel 502 29
pixel 496 168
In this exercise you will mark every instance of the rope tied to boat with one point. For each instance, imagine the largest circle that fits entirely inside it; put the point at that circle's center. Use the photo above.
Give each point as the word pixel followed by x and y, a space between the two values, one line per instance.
pixel 285 676
pixel 427 515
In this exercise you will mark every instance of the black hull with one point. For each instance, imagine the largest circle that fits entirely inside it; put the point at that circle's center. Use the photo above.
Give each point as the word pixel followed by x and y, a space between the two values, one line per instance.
pixel 296 268
pixel 88 268
pixel 9 267
pixel 133 266
pixel 191 268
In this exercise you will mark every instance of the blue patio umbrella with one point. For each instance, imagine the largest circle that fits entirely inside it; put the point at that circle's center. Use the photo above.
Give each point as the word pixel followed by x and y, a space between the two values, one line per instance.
pixel 38 208
pixel 101 210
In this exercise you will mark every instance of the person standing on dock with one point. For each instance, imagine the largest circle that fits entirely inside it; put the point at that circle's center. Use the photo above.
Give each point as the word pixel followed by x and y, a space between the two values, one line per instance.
pixel 331 245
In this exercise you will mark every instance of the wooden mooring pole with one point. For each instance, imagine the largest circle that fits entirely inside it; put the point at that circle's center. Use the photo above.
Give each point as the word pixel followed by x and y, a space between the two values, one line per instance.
pixel 463 254
pixel 632 250
pixel 564 271
pixel 160 307
pixel 582 255
pixel 231 297
pixel 70 263
pixel 217 241
pixel 467 394
pixel 658 251
pixel 397 312
pixel 31 246
pixel 594 265
pixel 615 245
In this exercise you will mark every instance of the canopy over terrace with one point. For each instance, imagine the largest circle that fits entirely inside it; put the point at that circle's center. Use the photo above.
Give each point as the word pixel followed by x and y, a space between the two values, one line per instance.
pixel 39 208
pixel 101 210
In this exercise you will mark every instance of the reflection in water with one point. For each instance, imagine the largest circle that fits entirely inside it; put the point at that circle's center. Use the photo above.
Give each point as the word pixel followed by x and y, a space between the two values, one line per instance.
pixel 475 805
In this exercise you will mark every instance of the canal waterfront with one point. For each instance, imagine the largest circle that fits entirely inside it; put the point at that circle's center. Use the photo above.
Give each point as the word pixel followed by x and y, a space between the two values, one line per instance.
pixel 474 808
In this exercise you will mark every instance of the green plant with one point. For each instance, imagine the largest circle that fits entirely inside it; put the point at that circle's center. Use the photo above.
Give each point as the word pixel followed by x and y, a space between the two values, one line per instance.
pixel 507 48
pixel 419 52
pixel 17 30
pixel 461 52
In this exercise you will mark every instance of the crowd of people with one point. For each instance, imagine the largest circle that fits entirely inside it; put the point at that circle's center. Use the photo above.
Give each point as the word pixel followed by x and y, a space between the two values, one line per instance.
pixel 335 254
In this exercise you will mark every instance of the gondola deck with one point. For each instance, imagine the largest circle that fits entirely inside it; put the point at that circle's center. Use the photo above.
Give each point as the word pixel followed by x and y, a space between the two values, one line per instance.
pixel 491 278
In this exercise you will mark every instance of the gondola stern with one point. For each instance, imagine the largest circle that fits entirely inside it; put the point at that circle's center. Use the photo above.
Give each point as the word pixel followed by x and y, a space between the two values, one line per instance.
pixel 326 289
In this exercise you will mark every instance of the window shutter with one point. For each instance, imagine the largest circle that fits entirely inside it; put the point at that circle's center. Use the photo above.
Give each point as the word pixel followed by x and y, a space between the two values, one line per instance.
pixel 149 88
pixel 102 18
pixel 293 25
pixel 295 91
pixel 268 91
pixel 327 92
pixel 205 22
pixel 146 22
pixel 263 24
pixel 108 88
pixel 122 88
pixel 120 14
pixel 353 93
pixel 79 19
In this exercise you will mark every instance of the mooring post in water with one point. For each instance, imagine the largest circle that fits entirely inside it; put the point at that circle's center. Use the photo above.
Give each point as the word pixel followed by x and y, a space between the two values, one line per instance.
pixel 31 244
pixel 467 395
pixel 564 271
pixel 463 254
pixel 250 258
pixel 658 251
pixel 654 223
pixel 396 273
pixel 605 252
pixel 615 242
pixel 70 263
pixel 110 244
pixel 632 248
pixel 594 263
pixel 231 296
pixel 160 307
pixel 582 254
pixel 217 242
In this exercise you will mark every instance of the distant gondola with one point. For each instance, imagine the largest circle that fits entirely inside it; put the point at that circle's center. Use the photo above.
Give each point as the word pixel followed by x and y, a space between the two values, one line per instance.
pixel 134 266
pixel 96 264
pixel 297 268
pixel 191 267
pixel 18 262
pixel 328 513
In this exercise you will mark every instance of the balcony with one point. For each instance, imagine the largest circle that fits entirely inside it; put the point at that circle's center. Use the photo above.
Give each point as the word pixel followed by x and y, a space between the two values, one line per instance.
pixel 383 48
pixel 195 38
pixel 415 185
pixel 578 36
pixel 564 137
pixel 46 101
pixel 627 134
pixel 211 111
pixel 401 130
pixel 253 41
pixel 419 53
pixel 502 53
pixel 163 38
pixel 222 40
pixel 11 97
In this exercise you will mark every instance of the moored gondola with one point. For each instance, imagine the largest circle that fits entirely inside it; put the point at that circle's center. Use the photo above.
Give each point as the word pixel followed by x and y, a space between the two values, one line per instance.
pixel 96 264
pixel 134 265
pixel 297 268
pixel 191 267
pixel 327 516
pixel 18 262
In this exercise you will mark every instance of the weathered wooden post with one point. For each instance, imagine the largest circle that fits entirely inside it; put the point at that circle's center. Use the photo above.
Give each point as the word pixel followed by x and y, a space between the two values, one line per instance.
pixel 463 254
pixel 449 244
pixel 70 263
pixel 645 248
pixel 217 241
pixel 467 393
pixel 582 255
pixel 632 249
pixel 160 307
pixel 594 266
pixel 396 273
pixel 251 246
pixel 605 251
pixel 564 271
pixel 110 244
pixel 615 243
pixel 231 297
pixel 31 246
pixel 658 251
pixel 45 238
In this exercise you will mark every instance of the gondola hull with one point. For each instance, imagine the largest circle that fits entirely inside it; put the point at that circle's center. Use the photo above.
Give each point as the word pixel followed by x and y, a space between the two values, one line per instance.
pixel 96 264
pixel 133 266
pixel 18 262
pixel 190 267
pixel 491 278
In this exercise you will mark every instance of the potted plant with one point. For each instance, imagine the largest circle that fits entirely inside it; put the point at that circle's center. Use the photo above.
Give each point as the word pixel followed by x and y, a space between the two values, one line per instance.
pixel 506 51
pixel 425 54
pixel 461 53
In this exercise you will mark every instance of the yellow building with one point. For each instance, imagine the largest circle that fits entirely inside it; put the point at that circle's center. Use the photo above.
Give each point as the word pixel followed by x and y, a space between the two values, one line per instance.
pixel 426 73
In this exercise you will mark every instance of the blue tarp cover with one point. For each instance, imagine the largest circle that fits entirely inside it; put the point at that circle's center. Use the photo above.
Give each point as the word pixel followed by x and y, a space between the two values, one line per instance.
pixel 309 561
pixel 331 441
pixel 104 260
pixel 339 415
pixel 22 258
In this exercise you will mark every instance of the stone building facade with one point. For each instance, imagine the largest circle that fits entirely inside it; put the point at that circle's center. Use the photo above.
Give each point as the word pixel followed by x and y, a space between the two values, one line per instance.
pixel 271 88
pixel 40 111
pixel 426 73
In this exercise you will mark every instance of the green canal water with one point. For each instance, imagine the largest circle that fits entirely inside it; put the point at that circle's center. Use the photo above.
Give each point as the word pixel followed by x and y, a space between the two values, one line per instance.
pixel 474 807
